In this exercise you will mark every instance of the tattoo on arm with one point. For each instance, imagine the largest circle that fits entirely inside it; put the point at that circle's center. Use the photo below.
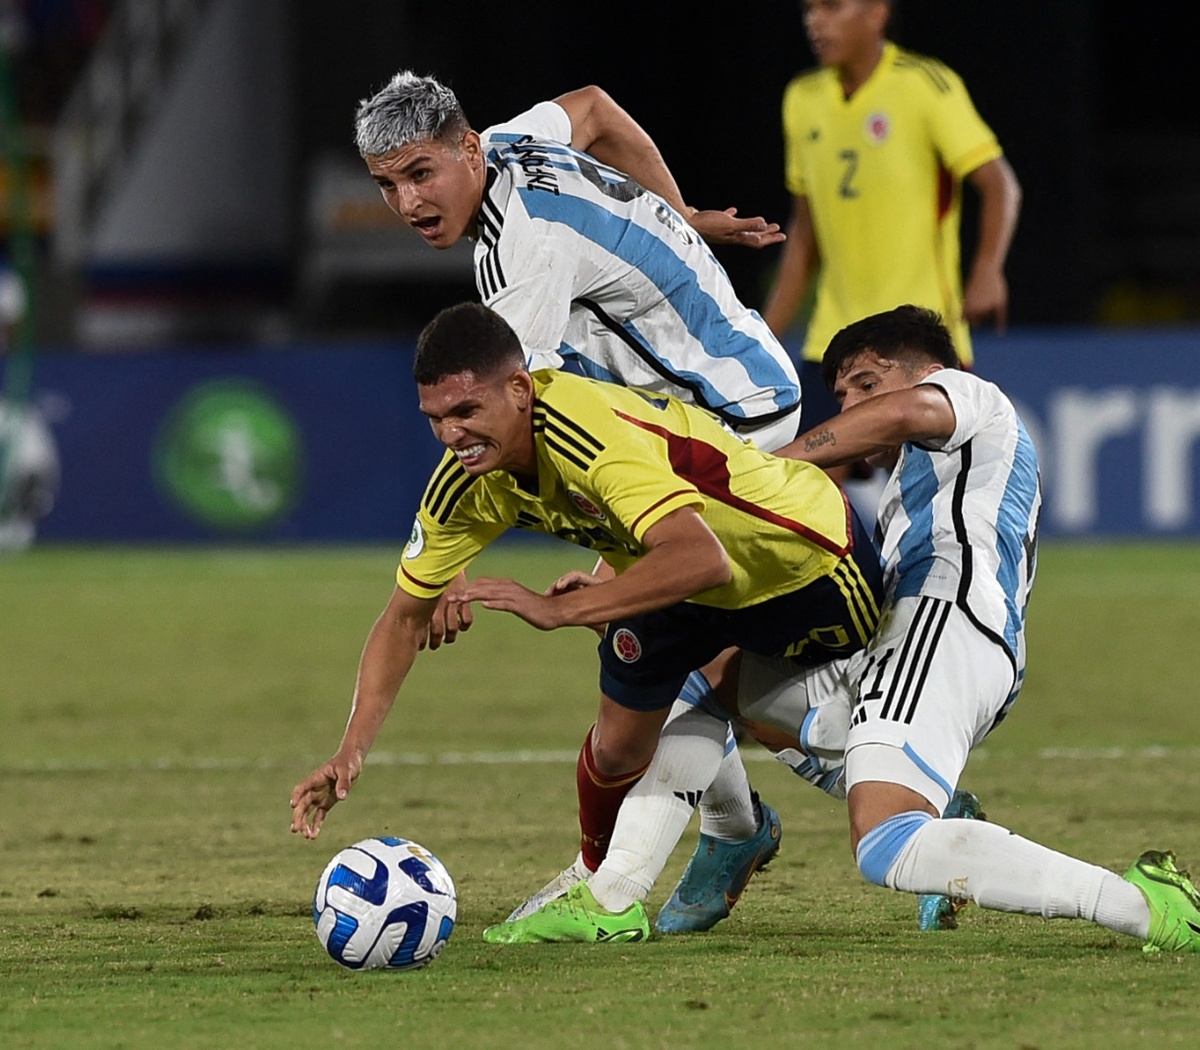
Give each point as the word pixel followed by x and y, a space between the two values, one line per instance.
pixel 818 438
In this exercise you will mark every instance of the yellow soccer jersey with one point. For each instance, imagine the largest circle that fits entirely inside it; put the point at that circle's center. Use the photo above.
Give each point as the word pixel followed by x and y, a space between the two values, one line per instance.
pixel 614 460
pixel 883 173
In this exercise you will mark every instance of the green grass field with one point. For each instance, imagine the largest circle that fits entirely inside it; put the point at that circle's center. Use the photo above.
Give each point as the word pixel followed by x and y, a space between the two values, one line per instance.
pixel 156 707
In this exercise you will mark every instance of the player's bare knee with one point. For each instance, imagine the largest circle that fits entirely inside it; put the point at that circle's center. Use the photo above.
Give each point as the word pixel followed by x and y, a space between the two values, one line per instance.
pixel 624 740
pixel 623 750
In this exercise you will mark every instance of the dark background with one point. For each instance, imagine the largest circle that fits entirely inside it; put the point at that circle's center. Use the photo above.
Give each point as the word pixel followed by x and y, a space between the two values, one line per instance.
pixel 1097 113
pixel 1095 104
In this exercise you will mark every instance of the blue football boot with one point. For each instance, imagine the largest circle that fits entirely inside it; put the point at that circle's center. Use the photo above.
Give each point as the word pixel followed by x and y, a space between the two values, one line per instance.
pixel 936 911
pixel 717 874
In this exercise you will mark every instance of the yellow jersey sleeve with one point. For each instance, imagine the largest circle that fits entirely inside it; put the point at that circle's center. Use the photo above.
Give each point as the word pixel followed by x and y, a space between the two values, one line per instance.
pixel 962 139
pixel 453 524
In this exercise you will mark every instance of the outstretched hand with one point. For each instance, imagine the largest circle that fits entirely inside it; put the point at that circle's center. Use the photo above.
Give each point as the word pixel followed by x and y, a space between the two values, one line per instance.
pixel 724 227
pixel 538 610
pixel 320 791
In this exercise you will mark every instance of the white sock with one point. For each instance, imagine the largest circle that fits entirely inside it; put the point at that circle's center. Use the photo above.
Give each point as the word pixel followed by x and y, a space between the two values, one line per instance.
pixel 727 810
pixel 659 806
pixel 1002 871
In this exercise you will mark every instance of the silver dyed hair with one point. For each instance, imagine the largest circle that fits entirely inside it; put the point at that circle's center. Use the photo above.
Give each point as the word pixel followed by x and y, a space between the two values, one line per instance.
pixel 409 109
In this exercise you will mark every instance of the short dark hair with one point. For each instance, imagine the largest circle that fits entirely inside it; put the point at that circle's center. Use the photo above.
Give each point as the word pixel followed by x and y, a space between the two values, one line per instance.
pixel 910 334
pixel 468 337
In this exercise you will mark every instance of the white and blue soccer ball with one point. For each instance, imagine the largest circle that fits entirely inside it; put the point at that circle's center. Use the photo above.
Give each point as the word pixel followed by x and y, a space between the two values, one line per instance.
pixel 384 903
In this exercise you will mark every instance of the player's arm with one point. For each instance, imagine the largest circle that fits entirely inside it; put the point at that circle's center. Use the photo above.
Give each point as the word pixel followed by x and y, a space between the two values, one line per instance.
pixel 986 294
pixel 386 659
pixel 683 558
pixel 875 428
pixel 607 132
pixel 798 263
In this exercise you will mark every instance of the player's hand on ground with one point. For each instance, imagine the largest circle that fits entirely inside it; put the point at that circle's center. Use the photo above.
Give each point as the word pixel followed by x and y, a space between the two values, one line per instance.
pixel 320 791
pixel 449 616
pixel 537 610
pixel 724 227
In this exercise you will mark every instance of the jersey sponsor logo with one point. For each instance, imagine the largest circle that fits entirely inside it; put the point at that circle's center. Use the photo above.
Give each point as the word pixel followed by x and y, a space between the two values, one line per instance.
pixel 591 537
pixel 877 128
pixel 416 542
pixel 587 506
pixel 626 645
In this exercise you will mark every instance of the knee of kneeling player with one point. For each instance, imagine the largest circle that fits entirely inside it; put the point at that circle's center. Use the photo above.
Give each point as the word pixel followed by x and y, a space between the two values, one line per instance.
pixel 880 847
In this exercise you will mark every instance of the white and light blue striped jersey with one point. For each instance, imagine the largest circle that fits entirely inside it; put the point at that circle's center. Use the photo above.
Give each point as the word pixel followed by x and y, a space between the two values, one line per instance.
pixel 959 520
pixel 590 268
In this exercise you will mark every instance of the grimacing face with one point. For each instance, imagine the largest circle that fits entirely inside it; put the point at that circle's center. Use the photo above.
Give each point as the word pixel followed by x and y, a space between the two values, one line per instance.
pixel 436 187
pixel 485 422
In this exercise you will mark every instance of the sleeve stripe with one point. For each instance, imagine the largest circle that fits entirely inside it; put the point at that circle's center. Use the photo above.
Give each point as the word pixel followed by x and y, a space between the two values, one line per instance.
pixel 908 60
pixel 444 479
pixel 564 425
pixel 489 275
pixel 690 496
pixel 555 443
pixel 453 497
pixel 434 589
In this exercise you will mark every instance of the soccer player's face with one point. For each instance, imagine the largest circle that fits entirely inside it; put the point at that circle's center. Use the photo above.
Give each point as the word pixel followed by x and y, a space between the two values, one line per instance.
pixel 840 31
pixel 869 375
pixel 485 421
pixel 436 187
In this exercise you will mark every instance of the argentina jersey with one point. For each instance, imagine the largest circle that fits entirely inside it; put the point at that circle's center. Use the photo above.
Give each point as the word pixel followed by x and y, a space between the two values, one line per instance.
pixel 960 521
pixel 593 271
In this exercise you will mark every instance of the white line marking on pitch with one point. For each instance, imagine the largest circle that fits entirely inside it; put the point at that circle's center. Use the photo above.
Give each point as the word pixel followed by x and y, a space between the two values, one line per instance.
pixel 520 757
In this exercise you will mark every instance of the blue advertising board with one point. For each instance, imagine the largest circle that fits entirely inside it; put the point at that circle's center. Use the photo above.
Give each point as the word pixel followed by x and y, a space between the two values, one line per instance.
pixel 1115 416
pixel 326 443
pixel 272 445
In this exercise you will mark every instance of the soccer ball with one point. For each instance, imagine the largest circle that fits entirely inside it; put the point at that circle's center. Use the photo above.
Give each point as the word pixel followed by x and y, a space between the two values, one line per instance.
pixel 384 903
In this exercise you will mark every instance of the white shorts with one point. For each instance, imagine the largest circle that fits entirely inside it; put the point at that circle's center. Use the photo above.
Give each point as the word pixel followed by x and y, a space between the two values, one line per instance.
pixel 931 688
pixel 906 710
pixel 812 704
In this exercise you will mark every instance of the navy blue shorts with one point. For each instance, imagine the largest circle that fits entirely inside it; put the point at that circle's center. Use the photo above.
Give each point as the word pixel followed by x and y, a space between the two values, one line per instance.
pixel 645 660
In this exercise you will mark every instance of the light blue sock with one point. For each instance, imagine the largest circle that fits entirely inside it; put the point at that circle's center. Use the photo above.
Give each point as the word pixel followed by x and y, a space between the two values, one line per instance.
pixel 878 848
